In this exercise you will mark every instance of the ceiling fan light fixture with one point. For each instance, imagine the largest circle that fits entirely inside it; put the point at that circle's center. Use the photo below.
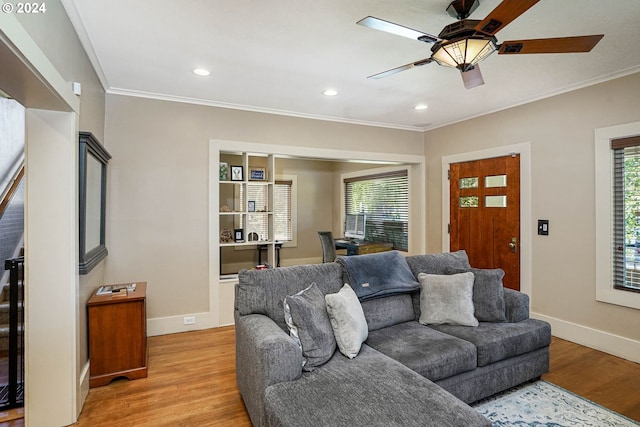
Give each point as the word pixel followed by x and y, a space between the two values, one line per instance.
pixel 463 53
pixel 461 9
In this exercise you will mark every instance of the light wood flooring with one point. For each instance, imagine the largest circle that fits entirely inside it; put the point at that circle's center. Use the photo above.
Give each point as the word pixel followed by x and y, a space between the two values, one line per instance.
pixel 192 383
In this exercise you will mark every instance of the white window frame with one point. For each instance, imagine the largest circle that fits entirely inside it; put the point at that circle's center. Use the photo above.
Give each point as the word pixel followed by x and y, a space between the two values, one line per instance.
pixel 376 171
pixel 294 209
pixel 605 292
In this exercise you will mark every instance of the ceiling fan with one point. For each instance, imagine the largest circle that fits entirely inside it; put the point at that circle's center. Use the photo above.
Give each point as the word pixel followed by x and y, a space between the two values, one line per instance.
pixel 465 43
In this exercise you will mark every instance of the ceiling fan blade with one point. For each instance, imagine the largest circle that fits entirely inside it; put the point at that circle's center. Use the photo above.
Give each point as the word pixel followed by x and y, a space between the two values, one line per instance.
pixel 552 45
pixel 399 69
pixel 472 78
pixel 503 14
pixel 399 30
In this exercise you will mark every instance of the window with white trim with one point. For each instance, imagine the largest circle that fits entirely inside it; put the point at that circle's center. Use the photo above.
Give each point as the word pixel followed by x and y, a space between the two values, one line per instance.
pixel 384 199
pixel 605 248
pixel 626 213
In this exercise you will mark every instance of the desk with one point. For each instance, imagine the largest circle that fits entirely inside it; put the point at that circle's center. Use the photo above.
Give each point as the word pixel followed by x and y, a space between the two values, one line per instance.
pixel 263 247
pixel 363 247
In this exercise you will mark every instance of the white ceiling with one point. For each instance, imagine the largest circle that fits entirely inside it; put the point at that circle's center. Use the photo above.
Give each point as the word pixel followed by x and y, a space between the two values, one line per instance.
pixel 279 55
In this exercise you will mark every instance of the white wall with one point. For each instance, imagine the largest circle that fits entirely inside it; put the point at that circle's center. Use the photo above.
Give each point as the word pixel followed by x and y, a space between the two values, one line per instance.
pixel 51 269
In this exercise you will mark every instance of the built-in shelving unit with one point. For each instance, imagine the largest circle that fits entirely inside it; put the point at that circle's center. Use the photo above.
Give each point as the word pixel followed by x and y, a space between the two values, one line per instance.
pixel 245 188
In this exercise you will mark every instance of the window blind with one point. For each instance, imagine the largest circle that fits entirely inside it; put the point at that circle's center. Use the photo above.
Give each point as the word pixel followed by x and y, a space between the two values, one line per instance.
pixel 384 199
pixel 282 225
pixel 626 213
pixel 259 222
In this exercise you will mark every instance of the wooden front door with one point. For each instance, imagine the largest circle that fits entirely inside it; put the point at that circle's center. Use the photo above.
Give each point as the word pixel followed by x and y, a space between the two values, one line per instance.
pixel 485 214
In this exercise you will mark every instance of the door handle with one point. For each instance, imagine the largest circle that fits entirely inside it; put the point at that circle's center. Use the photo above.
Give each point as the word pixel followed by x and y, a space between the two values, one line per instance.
pixel 513 244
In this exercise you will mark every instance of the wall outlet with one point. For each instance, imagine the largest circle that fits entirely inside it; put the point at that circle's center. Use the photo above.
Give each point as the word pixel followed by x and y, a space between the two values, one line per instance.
pixel 189 320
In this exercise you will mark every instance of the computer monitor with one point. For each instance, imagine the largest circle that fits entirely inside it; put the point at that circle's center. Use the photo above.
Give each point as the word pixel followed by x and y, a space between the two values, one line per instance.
pixel 354 226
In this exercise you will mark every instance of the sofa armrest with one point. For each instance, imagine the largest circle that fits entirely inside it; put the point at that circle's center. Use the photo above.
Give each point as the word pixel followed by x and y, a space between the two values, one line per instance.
pixel 516 305
pixel 265 355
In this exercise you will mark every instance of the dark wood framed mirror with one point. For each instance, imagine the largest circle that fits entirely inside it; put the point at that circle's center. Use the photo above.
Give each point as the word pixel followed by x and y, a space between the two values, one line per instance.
pixel 92 181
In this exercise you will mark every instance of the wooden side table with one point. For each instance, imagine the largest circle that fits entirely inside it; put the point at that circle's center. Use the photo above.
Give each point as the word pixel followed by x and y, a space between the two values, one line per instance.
pixel 117 336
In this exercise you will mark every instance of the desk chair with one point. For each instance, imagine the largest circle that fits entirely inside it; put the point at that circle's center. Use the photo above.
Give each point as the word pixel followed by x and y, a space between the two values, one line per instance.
pixel 328 246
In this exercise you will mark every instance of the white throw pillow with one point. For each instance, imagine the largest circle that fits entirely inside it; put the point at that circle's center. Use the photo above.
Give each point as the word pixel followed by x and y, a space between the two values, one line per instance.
pixel 447 299
pixel 347 320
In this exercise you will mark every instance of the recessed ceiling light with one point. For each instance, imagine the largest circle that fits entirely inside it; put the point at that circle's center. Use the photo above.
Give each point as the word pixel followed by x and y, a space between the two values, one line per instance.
pixel 330 92
pixel 201 72
pixel 421 107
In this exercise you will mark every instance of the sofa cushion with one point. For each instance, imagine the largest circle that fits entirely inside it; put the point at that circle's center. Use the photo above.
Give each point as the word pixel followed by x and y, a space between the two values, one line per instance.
pixel 309 325
pixel 388 311
pixel 498 341
pixel 488 293
pixel 370 390
pixel 263 291
pixel 447 299
pixel 426 351
pixel 347 320
pixel 437 263
pixel 378 274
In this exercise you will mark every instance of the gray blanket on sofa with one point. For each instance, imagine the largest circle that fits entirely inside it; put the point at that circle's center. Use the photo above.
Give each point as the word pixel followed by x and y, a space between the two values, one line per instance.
pixel 379 274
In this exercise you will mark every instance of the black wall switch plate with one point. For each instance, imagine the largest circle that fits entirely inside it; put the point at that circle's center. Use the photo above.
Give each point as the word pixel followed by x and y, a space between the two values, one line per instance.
pixel 543 227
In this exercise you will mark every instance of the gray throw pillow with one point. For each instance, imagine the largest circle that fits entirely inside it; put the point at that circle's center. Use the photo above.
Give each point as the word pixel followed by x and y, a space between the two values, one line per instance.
pixel 347 320
pixel 447 299
pixel 488 293
pixel 306 316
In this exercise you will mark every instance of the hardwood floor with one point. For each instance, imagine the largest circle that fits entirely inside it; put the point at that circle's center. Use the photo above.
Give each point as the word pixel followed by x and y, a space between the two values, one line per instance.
pixel 607 380
pixel 192 383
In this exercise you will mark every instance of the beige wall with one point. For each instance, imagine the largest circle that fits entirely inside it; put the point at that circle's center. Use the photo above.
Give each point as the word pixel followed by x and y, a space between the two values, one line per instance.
pixel 55 36
pixel 158 187
pixel 560 131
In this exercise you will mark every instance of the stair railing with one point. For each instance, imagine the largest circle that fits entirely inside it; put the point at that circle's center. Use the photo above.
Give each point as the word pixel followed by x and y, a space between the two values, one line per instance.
pixel 11 190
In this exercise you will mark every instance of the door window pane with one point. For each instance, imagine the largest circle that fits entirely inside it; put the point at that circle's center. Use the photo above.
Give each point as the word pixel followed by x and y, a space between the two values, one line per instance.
pixel 469 201
pixel 495 201
pixel 471 182
pixel 495 181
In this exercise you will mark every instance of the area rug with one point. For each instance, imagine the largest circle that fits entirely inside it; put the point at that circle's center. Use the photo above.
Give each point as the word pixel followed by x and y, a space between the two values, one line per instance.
pixel 542 404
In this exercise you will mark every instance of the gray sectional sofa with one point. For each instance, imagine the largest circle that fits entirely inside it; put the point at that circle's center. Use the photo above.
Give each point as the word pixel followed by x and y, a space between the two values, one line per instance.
pixel 412 369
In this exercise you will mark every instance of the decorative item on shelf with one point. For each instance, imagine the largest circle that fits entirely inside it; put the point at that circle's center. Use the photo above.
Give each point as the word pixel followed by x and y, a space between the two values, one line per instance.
pixel 237 173
pixel 238 235
pixel 225 208
pixel 224 171
pixel 226 236
pixel 253 237
pixel 251 206
pixel 257 173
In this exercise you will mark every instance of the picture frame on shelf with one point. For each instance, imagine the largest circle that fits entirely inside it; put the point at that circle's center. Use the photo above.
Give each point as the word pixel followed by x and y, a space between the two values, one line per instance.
pixel 237 173
pixel 224 171
pixel 238 234
pixel 257 173
pixel 251 206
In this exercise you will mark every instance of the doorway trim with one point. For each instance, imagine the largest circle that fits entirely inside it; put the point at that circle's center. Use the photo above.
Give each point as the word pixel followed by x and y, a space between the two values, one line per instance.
pixel 526 229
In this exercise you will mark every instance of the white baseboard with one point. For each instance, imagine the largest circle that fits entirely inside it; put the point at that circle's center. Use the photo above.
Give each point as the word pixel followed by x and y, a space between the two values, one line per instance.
pixel 599 340
pixel 175 324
